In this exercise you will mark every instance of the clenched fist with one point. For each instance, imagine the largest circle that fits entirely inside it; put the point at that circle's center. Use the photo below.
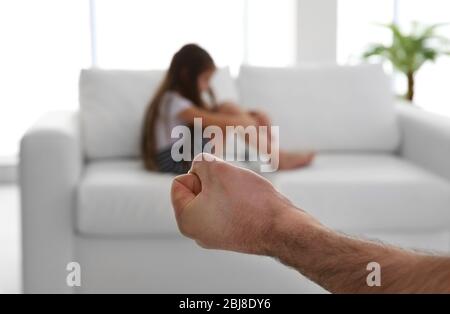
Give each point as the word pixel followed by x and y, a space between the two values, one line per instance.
pixel 225 207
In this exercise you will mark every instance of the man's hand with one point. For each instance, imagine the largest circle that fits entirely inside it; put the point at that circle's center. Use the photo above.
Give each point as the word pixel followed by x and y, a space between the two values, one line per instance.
pixel 225 207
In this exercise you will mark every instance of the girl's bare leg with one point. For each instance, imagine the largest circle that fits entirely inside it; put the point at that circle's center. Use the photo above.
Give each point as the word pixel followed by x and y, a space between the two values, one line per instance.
pixel 287 160
pixel 294 160
pixel 229 108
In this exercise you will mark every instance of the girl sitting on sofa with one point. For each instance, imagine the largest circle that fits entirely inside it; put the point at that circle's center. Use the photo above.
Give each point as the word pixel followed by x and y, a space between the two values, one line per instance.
pixel 179 100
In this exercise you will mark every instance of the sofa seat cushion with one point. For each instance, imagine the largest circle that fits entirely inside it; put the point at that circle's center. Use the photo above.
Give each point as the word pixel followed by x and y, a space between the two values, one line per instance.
pixel 120 197
pixel 369 192
pixel 357 192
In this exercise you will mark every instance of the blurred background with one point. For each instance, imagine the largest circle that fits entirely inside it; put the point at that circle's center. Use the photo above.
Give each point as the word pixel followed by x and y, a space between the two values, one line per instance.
pixel 45 43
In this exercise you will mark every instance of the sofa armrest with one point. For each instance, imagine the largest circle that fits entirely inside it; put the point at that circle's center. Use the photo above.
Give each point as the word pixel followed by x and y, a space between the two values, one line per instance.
pixel 50 166
pixel 426 139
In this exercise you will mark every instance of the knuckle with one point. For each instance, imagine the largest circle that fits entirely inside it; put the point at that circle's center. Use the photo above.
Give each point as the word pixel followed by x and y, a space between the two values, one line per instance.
pixel 184 230
pixel 204 245
pixel 218 166
pixel 200 162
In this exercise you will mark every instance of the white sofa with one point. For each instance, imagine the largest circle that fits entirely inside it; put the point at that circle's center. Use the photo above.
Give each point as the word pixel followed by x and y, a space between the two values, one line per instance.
pixel 382 171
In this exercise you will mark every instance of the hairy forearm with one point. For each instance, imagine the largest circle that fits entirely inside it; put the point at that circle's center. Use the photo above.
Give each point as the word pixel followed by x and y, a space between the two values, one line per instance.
pixel 339 263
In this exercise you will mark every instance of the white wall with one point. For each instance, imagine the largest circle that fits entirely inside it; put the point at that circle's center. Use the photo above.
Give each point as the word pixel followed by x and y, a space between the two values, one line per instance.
pixel 316 31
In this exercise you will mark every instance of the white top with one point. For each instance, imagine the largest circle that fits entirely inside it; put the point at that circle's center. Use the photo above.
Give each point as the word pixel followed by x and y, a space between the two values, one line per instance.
pixel 172 104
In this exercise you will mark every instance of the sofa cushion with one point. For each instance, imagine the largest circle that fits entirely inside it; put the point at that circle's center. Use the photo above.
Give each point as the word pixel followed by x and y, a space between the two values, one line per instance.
pixel 120 197
pixel 113 103
pixel 325 108
pixel 369 193
pixel 350 192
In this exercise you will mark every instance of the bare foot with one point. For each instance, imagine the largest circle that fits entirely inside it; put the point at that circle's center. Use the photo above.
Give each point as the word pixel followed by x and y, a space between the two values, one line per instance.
pixel 293 160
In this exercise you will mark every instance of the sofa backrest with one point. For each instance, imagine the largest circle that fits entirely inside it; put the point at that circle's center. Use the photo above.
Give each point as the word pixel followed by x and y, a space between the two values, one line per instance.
pixel 113 104
pixel 325 108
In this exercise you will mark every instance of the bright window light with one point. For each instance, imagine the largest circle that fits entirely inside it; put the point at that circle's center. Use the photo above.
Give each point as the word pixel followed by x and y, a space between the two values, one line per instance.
pixel 433 79
pixel 141 34
pixel 356 31
pixel 271 32
pixel 357 27
pixel 44 45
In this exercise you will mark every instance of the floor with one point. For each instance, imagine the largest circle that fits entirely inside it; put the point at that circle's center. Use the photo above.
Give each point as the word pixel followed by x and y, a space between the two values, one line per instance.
pixel 10 280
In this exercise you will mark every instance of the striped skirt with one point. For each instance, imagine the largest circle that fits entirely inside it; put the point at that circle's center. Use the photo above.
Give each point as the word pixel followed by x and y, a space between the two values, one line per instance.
pixel 165 162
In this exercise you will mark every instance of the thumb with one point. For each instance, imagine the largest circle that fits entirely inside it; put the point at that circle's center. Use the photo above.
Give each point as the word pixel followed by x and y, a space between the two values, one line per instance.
pixel 184 189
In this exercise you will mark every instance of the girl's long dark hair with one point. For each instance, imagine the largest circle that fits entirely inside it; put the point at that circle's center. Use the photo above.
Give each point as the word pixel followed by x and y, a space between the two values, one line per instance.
pixel 182 77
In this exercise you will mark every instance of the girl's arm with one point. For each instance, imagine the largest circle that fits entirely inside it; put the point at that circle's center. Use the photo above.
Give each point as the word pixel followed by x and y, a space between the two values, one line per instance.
pixel 218 118
pixel 229 108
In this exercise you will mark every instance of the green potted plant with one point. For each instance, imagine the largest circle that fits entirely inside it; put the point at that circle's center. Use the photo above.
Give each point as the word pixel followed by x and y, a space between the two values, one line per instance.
pixel 409 51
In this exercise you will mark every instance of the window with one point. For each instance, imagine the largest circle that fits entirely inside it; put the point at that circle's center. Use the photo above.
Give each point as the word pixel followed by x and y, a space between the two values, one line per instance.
pixel 357 27
pixel 356 32
pixel 44 45
pixel 433 79
pixel 145 34
pixel 271 31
